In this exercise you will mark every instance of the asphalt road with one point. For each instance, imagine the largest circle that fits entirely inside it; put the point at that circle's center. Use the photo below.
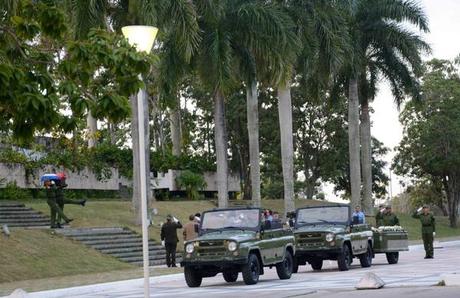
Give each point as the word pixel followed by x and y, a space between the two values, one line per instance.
pixel 413 276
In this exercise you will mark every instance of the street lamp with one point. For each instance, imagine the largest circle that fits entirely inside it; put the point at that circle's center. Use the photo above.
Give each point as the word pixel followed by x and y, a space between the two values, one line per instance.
pixel 142 37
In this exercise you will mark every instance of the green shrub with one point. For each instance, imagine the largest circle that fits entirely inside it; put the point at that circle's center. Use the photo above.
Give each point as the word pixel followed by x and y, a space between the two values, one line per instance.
pixel 192 182
pixel 12 192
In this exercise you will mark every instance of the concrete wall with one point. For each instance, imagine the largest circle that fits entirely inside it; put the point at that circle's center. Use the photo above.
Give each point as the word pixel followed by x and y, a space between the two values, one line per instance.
pixel 168 181
pixel 84 179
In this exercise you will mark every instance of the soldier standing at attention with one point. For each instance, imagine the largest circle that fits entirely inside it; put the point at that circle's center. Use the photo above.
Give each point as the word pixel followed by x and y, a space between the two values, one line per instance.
pixel 169 239
pixel 60 199
pixel 190 229
pixel 389 218
pixel 54 208
pixel 379 216
pixel 428 229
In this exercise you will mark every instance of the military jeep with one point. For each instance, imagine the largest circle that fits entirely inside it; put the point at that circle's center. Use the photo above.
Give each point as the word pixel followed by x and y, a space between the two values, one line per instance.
pixel 236 240
pixel 327 233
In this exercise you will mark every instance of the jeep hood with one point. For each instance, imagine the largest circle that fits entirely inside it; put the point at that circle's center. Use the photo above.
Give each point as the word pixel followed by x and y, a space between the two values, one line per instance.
pixel 322 228
pixel 236 235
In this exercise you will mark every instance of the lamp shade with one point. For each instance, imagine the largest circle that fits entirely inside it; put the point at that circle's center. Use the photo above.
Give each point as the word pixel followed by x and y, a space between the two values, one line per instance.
pixel 142 37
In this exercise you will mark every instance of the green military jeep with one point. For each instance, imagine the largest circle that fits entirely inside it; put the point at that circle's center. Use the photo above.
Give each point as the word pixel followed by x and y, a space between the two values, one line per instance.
pixel 327 233
pixel 236 240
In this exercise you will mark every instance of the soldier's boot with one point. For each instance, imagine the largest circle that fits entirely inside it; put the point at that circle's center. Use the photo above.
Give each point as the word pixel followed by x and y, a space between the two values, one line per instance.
pixel 83 202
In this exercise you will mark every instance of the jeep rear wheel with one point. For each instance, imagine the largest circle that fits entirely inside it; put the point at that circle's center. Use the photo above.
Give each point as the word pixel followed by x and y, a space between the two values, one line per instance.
pixel 316 264
pixel 366 258
pixel 230 276
pixel 284 269
pixel 192 277
pixel 392 257
pixel 251 270
pixel 344 258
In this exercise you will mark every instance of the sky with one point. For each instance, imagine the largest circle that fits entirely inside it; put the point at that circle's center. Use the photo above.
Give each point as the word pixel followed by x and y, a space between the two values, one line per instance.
pixel 444 39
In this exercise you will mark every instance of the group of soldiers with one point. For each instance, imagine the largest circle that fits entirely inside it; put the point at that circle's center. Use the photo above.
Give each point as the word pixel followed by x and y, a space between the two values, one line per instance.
pixel 54 185
pixel 386 217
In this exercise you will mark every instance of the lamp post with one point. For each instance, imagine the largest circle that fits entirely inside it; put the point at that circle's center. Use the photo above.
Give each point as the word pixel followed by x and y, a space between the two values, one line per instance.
pixel 142 37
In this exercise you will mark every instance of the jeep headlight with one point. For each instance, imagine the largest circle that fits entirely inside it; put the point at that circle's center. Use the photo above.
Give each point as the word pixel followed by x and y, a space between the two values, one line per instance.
pixel 189 248
pixel 232 246
pixel 330 237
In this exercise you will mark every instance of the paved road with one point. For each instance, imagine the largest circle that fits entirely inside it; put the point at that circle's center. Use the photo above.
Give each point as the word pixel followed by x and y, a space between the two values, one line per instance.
pixel 410 276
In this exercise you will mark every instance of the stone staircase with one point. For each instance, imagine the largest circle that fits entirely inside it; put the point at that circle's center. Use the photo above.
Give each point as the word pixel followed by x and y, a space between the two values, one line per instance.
pixel 16 214
pixel 121 243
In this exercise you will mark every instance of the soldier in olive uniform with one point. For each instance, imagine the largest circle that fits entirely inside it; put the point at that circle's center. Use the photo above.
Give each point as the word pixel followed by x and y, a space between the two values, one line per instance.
pixel 379 216
pixel 389 218
pixel 169 238
pixel 51 200
pixel 428 229
pixel 60 199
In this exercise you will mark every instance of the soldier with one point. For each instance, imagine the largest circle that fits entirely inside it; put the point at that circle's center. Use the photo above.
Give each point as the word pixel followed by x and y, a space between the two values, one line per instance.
pixel 389 218
pixel 60 199
pixel 379 216
pixel 428 229
pixel 50 186
pixel 169 239
pixel 191 229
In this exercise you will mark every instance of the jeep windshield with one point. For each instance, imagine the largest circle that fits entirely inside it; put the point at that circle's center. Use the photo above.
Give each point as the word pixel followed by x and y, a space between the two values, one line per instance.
pixel 322 215
pixel 240 219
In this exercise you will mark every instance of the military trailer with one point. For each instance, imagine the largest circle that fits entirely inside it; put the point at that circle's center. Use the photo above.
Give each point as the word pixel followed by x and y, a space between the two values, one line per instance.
pixel 327 233
pixel 236 240
pixel 390 240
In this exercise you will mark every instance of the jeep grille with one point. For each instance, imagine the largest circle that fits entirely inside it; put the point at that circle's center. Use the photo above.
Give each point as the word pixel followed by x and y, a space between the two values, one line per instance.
pixel 310 237
pixel 211 248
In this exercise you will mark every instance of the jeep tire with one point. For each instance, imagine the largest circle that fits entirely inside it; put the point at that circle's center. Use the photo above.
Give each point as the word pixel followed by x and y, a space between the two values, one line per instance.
pixel 295 265
pixel 230 276
pixel 192 277
pixel 251 270
pixel 392 257
pixel 344 258
pixel 366 258
pixel 316 264
pixel 284 268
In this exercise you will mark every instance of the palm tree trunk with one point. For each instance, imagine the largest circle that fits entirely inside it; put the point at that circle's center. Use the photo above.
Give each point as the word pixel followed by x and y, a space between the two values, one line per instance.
pixel 91 123
pixel 136 199
pixel 366 157
pixel 287 149
pixel 176 133
pixel 220 132
pixel 353 142
pixel 253 135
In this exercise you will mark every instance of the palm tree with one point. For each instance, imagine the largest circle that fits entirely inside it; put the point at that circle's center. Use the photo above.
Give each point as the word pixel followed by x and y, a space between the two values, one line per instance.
pixel 320 28
pixel 383 47
pixel 247 32
pixel 177 22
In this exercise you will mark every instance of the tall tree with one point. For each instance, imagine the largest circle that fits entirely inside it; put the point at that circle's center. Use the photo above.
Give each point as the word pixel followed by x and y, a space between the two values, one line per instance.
pixel 382 47
pixel 320 29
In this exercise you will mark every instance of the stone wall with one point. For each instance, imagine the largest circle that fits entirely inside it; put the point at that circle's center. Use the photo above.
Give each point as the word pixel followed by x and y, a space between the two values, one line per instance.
pixel 84 179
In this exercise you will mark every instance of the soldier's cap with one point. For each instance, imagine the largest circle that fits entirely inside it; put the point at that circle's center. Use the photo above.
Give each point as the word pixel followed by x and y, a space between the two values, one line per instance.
pixel 426 206
pixel 169 216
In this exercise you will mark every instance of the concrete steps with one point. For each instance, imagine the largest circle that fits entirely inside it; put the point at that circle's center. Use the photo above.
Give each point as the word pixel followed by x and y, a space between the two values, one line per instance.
pixel 16 214
pixel 121 243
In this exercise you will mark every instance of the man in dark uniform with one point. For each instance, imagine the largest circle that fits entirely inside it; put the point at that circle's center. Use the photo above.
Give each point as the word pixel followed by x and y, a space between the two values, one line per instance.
pixel 169 238
pixel 60 199
pixel 389 218
pixel 379 216
pixel 50 186
pixel 428 229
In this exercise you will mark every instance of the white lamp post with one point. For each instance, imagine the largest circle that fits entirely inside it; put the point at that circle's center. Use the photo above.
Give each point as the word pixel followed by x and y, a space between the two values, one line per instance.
pixel 142 37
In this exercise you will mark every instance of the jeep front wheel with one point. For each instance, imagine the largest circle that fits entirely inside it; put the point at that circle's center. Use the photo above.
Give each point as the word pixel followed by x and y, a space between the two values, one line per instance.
pixel 295 265
pixel 366 258
pixel 230 276
pixel 251 270
pixel 316 264
pixel 344 258
pixel 392 257
pixel 192 277
pixel 284 268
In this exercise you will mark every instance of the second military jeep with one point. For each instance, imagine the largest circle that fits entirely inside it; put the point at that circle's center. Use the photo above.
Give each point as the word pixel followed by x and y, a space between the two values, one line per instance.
pixel 237 240
pixel 327 233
